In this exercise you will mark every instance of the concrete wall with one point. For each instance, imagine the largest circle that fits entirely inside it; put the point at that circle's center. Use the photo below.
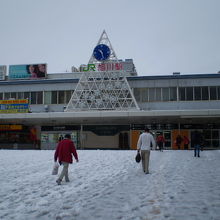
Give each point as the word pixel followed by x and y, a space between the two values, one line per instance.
pixel 92 140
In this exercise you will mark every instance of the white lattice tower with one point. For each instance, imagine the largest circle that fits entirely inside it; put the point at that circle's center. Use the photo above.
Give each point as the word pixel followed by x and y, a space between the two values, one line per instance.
pixel 103 90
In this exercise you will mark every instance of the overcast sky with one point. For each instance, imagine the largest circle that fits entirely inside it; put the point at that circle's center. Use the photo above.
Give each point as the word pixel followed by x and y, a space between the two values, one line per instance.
pixel 161 36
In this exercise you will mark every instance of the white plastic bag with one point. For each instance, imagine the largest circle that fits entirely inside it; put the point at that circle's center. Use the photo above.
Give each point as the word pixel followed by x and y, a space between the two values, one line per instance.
pixel 55 168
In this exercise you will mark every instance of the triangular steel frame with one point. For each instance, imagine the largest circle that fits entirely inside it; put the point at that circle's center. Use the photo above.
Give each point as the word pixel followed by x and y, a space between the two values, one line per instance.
pixel 105 40
pixel 103 90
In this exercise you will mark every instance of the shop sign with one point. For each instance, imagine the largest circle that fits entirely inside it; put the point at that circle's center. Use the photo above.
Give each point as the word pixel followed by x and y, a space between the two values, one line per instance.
pixel 60 128
pixel 10 127
pixel 14 106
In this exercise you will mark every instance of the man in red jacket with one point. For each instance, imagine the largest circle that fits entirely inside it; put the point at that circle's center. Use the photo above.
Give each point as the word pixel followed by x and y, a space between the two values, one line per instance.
pixel 63 153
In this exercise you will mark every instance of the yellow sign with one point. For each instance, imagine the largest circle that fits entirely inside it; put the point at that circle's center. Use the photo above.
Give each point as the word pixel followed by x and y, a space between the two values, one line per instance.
pixel 14 106
pixel 10 127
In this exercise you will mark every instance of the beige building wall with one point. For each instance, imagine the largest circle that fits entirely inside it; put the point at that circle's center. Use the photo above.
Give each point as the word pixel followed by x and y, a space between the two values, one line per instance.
pixel 92 140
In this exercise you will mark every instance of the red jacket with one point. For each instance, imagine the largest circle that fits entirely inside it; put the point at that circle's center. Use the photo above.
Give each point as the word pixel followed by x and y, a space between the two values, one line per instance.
pixel 64 151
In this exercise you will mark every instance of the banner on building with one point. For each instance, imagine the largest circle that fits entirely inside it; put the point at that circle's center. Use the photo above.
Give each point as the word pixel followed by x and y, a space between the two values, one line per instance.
pixel 30 71
pixel 11 127
pixel 2 72
pixel 14 106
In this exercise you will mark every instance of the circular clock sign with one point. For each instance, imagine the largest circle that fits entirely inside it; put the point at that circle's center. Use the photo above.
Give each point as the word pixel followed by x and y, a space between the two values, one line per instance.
pixel 101 52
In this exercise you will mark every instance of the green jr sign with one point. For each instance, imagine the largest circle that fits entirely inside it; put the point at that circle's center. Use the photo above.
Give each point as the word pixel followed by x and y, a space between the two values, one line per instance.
pixel 89 67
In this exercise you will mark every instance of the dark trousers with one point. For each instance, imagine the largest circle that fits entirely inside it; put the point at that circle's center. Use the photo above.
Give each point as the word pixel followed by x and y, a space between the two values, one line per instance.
pixel 160 144
pixel 196 150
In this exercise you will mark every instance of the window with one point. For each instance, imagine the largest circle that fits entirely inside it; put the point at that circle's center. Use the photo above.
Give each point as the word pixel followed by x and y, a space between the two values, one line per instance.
pixel 47 97
pixel 151 94
pixel 68 96
pixel 173 94
pixel 158 94
pixel 54 97
pixel 61 97
pixel 7 95
pixel 26 95
pixel 20 95
pixel 213 93
pixel 137 94
pixel 39 97
pixel 182 94
pixel 13 95
pixel 205 93
pixel 33 98
pixel 197 93
pixel 1 96
pixel 218 92
pixel 165 94
pixel 189 93
pixel 144 95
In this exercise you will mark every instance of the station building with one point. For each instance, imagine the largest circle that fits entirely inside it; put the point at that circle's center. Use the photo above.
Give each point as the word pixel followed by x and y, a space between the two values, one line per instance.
pixel 60 103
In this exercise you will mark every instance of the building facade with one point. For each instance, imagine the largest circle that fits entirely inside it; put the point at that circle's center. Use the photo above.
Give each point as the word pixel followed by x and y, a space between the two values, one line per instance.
pixel 105 105
pixel 171 105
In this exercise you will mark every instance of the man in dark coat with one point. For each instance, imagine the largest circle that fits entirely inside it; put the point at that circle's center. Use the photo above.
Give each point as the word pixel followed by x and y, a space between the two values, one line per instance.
pixel 197 141
pixel 63 153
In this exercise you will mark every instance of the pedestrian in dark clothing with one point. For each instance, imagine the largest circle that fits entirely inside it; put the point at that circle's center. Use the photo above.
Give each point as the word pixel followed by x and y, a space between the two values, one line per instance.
pixel 179 140
pixel 63 153
pixel 160 141
pixel 185 142
pixel 197 141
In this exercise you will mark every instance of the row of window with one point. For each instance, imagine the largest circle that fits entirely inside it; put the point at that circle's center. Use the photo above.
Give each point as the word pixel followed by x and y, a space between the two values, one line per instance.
pixel 177 94
pixel 43 97
pixel 141 95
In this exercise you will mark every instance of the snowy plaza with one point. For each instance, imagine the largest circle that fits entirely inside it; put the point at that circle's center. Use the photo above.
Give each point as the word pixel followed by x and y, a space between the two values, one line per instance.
pixel 110 185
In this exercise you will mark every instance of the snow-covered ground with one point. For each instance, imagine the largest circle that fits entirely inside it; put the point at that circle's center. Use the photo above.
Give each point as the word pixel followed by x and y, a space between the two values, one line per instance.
pixel 110 185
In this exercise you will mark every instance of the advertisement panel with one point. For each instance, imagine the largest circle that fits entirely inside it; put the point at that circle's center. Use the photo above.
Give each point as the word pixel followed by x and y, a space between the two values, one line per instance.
pixel 14 106
pixel 2 72
pixel 31 71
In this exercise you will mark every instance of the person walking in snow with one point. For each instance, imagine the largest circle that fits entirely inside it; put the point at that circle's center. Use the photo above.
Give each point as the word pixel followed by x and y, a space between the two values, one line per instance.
pixel 63 153
pixel 197 141
pixel 160 141
pixel 144 145
pixel 179 140
pixel 185 142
